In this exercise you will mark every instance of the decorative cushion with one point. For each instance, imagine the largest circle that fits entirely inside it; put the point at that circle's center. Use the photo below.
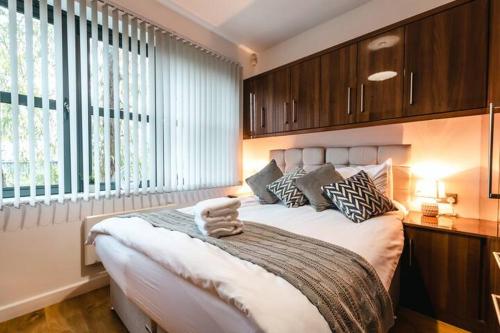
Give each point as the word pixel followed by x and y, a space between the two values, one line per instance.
pixel 380 174
pixel 286 189
pixel 311 183
pixel 358 198
pixel 261 179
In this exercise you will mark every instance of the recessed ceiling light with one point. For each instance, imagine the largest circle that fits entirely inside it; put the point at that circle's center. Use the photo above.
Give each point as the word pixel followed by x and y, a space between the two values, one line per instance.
pixel 382 76
pixel 383 42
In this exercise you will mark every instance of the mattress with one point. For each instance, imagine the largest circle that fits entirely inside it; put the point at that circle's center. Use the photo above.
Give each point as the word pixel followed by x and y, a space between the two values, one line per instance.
pixel 166 298
pixel 173 303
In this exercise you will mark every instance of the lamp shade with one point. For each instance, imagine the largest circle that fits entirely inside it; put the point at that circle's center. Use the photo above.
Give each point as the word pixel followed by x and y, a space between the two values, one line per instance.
pixel 433 189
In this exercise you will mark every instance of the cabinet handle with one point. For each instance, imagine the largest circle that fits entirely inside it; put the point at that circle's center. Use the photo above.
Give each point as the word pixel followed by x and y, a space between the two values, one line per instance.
pixel 491 195
pixel 348 100
pixel 410 252
pixel 262 112
pixel 252 113
pixel 495 299
pixel 496 255
pixel 294 114
pixel 362 108
pixel 152 328
pixel 411 88
pixel 285 116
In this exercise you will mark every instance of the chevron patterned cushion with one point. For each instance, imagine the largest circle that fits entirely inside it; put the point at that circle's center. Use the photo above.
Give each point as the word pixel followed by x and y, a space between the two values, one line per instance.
pixel 286 189
pixel 358 198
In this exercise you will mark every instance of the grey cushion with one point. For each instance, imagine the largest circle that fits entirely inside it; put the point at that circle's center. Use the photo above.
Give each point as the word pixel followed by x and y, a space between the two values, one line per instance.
pixel 311 183
pixel 261 179
pixel 358 198
pixel 286 190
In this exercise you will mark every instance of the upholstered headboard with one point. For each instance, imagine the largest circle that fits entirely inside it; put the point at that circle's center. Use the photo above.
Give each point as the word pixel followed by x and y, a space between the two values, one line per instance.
pixel 313 158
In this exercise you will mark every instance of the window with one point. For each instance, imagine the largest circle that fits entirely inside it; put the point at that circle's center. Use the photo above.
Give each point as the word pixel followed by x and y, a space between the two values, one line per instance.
pixel 134 110
pixel 6 119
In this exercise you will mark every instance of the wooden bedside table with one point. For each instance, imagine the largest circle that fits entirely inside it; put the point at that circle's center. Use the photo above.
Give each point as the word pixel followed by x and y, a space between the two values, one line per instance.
pixel 452 224
pixel 448 271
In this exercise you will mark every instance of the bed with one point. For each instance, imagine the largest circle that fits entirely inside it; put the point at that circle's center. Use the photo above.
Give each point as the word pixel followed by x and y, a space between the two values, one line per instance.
pixel 146 295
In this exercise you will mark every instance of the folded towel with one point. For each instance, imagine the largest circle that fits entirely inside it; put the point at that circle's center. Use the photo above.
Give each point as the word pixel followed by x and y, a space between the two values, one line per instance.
pixel 226 218
pixel 218 217
pixel 217 207
pixel 223 232
pixel 209 224
pixel 222 212
pixel 223 225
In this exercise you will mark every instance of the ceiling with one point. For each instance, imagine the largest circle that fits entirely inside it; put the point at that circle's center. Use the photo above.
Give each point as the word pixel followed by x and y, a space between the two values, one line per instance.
pixel 260 24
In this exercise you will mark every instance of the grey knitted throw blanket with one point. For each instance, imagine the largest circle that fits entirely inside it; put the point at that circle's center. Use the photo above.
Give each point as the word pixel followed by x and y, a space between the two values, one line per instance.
pixel 341 284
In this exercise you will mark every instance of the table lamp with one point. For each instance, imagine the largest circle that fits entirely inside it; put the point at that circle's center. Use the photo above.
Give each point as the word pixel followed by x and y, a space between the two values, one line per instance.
pixel 430 191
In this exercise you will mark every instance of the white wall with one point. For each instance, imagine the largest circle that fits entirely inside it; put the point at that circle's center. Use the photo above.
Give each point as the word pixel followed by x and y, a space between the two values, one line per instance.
pixel 371 16
pixel 172 21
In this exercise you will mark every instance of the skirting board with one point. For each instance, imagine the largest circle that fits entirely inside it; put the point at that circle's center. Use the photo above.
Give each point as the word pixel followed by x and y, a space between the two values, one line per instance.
pixel 40 301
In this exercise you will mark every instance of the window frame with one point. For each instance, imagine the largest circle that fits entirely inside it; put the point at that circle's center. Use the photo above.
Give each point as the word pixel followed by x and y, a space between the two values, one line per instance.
pixel 6 98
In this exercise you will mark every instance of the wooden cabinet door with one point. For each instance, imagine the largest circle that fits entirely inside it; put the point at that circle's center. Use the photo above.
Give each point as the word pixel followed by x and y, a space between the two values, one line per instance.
pixel 492 274
pixel 281 108
pixel 494 65
pixel 263 116
pixel 305 94
pixel 380 76
pixel 441 276
pixel 248 110
pixel 338 87
pixel 447 60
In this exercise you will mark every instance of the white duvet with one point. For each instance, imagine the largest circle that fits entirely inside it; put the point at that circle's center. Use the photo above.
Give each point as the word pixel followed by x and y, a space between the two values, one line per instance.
pixel 266 299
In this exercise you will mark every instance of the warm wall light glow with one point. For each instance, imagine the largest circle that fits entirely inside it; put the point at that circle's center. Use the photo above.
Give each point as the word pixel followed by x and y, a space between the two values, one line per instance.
pixel 429 186
pixel 426 188
pixel 250 167
pixel 244 189
pixel 433 170
pixel 253 166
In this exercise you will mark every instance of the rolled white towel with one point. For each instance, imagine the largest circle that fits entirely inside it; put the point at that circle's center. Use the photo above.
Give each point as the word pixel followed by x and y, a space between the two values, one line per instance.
pixel 217 207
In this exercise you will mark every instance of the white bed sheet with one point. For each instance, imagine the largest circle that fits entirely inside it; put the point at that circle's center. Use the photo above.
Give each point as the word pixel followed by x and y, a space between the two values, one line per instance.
pixel 379 241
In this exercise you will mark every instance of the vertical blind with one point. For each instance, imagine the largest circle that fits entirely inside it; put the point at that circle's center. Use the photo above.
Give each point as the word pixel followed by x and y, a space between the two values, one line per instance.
pixel 96 102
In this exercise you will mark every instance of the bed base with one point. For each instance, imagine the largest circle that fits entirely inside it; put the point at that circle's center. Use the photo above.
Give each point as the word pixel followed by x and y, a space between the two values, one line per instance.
pixel 136 321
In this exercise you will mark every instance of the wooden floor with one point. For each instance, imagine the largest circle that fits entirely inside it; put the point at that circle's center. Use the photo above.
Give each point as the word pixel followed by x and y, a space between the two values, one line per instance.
pixel 412 322
pixel 91 313
pixel 86 313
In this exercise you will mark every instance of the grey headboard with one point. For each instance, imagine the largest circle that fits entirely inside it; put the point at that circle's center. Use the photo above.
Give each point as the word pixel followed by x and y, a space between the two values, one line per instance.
pixel 313 158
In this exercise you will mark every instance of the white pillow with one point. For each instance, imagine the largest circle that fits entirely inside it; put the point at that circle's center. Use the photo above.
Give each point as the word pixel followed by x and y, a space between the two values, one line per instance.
pixel 380 174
